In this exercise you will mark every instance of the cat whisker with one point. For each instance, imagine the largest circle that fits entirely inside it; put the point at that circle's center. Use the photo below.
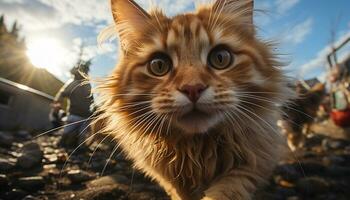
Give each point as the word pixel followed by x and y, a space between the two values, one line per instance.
pixel 135 94
pixel 264 121
pixel 63 126
pixel 219 14
pixel 70 155
pixel 268 109
pixel 157 123
pixel 267 100
pixel 160 128
pixel 117 146
pixel 128 122
pixel 138 110
pixel 167 131
pixel 236 120
pixel 232 119
pixel 131 106
pixel 109 158
pixel 95 149
pixel 238 109
pixel 258 96
pixel 149 124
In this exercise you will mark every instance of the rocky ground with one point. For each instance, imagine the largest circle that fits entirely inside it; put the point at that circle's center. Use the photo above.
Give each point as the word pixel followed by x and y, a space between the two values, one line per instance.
pixel 37 168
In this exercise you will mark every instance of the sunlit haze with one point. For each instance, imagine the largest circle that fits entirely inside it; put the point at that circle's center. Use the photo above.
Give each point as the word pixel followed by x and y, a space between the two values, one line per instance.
pixel 46 53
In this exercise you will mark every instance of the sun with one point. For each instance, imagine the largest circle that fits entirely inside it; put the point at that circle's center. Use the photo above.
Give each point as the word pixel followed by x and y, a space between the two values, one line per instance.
pixel 47 53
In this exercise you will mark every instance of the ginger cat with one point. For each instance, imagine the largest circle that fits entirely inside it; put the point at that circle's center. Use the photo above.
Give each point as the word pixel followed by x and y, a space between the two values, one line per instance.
pixel 194 99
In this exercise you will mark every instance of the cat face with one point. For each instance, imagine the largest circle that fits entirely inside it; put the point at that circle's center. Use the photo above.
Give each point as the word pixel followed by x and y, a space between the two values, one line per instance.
pixel 193 71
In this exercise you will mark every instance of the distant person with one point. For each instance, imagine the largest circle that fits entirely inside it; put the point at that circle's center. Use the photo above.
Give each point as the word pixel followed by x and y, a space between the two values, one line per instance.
pixel 56 115
pixel 78 93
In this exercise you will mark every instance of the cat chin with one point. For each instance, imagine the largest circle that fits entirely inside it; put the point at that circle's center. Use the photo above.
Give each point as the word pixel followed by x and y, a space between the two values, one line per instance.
pixel 197 123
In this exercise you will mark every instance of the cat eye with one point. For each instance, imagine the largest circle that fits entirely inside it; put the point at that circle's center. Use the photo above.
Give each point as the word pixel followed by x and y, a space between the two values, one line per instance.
pixel 220 58
pixel 160 65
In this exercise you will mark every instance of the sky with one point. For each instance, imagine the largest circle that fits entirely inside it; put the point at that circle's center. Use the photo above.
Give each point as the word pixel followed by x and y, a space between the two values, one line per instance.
pixel 55 30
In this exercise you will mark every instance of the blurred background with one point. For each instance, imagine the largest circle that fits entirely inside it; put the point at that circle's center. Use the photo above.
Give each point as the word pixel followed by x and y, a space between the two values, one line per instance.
pixel 41 41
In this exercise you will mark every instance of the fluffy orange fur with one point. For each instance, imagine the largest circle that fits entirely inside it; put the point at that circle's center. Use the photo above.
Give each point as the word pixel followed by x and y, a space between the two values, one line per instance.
pixel 200 118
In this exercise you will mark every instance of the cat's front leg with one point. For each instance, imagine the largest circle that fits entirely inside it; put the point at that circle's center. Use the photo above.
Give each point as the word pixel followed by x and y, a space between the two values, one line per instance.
pixel 237 185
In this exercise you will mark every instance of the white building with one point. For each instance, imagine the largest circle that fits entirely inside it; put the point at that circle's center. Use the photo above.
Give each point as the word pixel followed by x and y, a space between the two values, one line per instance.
pixel 22 107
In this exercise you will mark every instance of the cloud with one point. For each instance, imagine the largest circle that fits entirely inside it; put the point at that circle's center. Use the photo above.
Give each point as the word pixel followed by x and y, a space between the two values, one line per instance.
pixel 50 18
pixel 31 15
pixel 265 17
pixel 320 61
pixel 59 18
pixel 272 10
pixel 80 12
pixel 299 32
pixel 285 5
pixel 12 1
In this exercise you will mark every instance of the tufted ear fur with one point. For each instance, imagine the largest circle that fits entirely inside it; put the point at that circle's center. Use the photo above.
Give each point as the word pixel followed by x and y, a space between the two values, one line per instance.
pixel 130 19
pixel 243 8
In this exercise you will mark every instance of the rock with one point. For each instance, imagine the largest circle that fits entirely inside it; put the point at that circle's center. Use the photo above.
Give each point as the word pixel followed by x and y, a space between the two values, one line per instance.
pixel 347 149
pixel 283 183
pixel 340 187
pixel 6 139
pixel 49 166
pixel 313 140
pixel 122 179
pixel 338 171
pixel 51 158
pixel 4 182
pixel 312 186
pixel 28 161
pixel 31 148
pixel 309 168
pixel 333 160
pixel 116 193
pixel 31 184
pixel 287 172
pixel 15 194
pixel 49 150
pixel 346 158
pixel 24 134
pixel 31 156
pixel 62 158
pixel 331 197
pixel 30 197
pixel 310 154
pixel 103 181
pixel 6 165
pixel 99 164
pixel 293 198
pixel 285 192
pixel 14 154
pixel 263 195
pixel 78 176
pixel 146 196
pixel 334 144
pixel 142 188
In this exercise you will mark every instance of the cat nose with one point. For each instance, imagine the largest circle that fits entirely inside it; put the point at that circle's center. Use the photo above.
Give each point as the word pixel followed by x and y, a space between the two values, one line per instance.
pixel 193 92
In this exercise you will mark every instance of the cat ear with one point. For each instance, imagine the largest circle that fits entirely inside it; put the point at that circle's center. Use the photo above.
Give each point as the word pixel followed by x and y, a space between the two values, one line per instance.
pixel 243 8
pixel 129 17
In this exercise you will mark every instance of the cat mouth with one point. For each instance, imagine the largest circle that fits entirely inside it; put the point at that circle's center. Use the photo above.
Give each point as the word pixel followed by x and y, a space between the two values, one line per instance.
pixel 196 121
pixel 194 115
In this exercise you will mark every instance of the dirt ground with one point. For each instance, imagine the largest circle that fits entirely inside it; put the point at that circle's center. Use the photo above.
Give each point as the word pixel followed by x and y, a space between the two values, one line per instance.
pixel 38 168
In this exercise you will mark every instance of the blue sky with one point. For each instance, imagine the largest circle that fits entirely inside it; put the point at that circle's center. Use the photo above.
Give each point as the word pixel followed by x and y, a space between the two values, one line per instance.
pixel 301 27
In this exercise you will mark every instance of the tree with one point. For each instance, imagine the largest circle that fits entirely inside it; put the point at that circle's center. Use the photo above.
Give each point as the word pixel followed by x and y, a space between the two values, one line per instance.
pixel 15 65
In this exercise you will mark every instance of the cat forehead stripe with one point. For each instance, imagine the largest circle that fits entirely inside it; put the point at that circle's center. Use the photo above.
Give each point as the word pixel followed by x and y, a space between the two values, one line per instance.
pixel 187 35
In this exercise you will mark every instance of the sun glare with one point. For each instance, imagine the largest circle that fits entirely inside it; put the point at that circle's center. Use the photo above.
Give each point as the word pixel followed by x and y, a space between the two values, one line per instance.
pixel 47 53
